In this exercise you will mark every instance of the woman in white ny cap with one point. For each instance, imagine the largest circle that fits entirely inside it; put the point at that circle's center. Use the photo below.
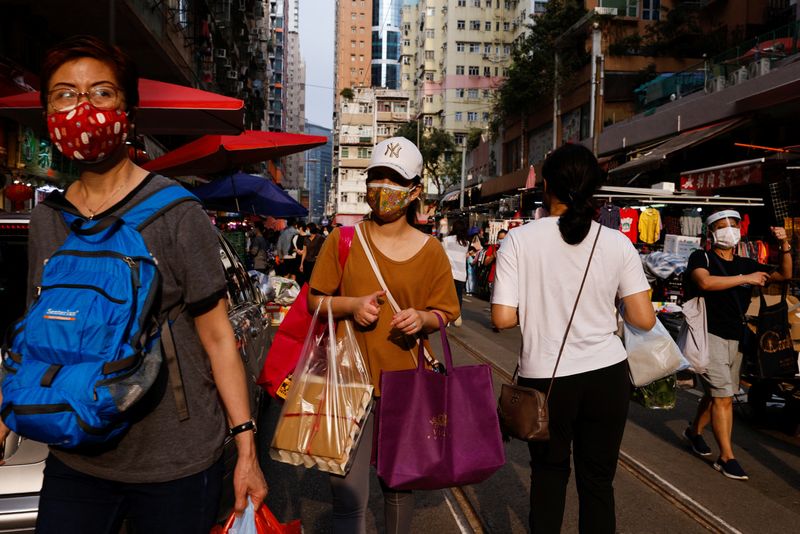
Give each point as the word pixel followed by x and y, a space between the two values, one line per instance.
pixel 417 272
pixel 725 281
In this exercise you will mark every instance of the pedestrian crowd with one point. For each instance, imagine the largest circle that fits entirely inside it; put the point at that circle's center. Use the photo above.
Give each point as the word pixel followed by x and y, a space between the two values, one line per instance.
pixel 559 279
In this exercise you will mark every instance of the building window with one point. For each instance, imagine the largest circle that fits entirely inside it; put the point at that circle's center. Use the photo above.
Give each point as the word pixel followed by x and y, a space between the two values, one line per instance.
pixel 488 3
pixel 472 116
pixel 429 99
pixel 362 197
pixel 507 50
pixel 427 121
pixel 460 93
pixel 459 116
pixel 352 58
pixel 364 153
pixel 430 34
pixel 472 93
pixel 474 25
pixel 345 152
pixel 473 70
pixel 651 9
pixel 462 3
pixel 487 25
pixel 476 3
pixel 487 49
pixel 460 70
pixel 429 54
pixel 475 48
pixel 506 26
pixel 459 47
pixel 352 44
pixel 459 138
pixel 431 11
pixel 461 24
pixel 429 76
pixel 485 93
pixel 487 71
pixel 485 116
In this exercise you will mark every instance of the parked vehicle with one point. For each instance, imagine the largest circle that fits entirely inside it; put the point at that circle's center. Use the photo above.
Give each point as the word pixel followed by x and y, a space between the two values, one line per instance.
pixel 21 476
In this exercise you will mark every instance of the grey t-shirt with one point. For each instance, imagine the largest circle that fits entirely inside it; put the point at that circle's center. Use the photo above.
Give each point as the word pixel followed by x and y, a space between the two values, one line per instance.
pixel 158 447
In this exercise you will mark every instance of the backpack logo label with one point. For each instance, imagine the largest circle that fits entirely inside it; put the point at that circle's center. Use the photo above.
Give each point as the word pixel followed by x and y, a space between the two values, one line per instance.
pixel 61 315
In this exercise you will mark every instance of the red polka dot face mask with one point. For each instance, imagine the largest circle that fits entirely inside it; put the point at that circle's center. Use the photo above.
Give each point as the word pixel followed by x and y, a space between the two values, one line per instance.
pixel 86 133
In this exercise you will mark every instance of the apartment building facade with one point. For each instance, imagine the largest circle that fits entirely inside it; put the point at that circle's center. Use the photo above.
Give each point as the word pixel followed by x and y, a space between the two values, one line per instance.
pixel 352 47
pixel 372 115
pixel 295 97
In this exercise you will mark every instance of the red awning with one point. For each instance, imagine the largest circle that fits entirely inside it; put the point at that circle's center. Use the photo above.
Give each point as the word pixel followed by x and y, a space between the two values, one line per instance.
pixel 164 108
pixel 219 153
pixel 734 174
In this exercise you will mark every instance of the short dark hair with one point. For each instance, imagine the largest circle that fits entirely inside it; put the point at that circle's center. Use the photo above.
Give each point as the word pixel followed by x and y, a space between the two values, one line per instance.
pixel 80 46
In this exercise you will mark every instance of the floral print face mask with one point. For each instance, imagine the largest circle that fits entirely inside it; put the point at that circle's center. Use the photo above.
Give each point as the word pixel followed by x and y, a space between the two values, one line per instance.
pixel 388 202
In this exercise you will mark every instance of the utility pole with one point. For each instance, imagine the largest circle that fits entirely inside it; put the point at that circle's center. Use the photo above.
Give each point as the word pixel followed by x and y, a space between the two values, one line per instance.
pixel 463 176
pixel 598 104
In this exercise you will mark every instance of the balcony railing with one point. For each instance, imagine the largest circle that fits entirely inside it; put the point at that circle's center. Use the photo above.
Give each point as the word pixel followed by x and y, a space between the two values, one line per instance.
pixel 750 59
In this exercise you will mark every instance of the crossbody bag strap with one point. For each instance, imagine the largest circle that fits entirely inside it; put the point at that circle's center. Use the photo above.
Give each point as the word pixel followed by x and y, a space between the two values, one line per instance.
pixel 396 307
pixel 571 317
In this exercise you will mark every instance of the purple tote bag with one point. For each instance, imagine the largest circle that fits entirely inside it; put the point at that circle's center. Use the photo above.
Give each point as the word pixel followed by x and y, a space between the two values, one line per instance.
pixel 438 430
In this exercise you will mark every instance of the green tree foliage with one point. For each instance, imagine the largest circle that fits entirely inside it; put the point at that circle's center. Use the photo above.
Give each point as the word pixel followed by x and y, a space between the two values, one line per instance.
pixel 532 71
pixel 438 150
pixel 474 139
pixel 347 93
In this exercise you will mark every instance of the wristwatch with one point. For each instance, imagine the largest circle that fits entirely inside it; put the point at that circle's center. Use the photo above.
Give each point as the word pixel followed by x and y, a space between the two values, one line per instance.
pixel 788 250
pixel 244 427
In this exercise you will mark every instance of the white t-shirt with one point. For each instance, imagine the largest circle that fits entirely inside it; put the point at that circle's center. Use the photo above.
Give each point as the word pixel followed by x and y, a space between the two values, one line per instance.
pixel 457 254
pixel 540 274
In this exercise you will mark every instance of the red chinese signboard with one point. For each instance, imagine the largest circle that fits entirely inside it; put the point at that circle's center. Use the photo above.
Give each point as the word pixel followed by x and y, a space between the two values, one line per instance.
pixel 713 179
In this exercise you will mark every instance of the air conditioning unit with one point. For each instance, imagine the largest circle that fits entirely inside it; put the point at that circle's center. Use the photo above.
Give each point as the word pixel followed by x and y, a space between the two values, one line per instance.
pixel 759 68
pixel 738 76
pixel 232 75
pixel 714 84
pixel 221 53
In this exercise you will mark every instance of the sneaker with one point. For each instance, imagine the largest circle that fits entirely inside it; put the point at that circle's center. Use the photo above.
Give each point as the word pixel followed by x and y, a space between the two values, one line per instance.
pixel 698 444
pixel 731 469
pixel 458 321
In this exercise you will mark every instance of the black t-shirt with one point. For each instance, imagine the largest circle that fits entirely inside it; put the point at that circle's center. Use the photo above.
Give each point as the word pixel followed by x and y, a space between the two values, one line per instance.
pixel 313 246
pixel 724 309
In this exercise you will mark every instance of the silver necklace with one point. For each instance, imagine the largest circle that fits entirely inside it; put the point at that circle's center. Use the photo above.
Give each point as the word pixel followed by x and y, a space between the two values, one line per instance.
pixel 93 212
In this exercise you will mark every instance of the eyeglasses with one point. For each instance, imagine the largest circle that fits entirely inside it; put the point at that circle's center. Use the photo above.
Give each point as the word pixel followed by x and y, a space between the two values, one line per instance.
pixel 101 97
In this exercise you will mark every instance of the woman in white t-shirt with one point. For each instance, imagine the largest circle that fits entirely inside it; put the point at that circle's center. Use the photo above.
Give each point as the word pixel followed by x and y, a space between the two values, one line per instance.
pixel 539 272
pixel 456 246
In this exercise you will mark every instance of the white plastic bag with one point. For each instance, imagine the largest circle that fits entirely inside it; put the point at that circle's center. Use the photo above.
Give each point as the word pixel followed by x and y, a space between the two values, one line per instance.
pixel 245 523
pixel 693 336
pixel 330 398
pixel 652 354
pixel 284 290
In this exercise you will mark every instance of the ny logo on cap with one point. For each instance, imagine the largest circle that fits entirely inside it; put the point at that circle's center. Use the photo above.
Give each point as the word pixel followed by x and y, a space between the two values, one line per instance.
pixel 393 150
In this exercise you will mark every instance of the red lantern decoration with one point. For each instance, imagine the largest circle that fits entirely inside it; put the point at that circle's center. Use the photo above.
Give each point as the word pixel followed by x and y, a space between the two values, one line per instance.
pixel 18 193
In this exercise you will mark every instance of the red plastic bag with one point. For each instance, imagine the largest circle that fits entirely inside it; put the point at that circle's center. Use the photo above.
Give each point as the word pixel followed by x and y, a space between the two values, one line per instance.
pixel 284 352
pixel 265 523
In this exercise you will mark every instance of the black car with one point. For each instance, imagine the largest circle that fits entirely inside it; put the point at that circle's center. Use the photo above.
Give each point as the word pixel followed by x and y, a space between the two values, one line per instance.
pixel 21 476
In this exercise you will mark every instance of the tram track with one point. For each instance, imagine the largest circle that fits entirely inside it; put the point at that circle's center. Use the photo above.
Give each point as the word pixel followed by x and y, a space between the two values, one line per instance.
pixel 670 493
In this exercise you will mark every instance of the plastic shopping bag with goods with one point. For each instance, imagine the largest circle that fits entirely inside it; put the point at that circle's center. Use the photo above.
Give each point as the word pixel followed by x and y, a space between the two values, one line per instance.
pixel 329 401
pixel 652 354
pixel 260 521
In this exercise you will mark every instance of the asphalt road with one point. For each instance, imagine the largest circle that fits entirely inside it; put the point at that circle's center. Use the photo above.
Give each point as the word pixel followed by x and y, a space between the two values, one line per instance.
pixel 660 485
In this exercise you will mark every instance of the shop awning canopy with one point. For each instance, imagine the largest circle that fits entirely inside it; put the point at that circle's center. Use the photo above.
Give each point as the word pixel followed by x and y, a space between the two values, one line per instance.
pixel 734 174
pixel 658 155
pixel 510 182
pixel 249 194
pixel 164 108
pixel 220 153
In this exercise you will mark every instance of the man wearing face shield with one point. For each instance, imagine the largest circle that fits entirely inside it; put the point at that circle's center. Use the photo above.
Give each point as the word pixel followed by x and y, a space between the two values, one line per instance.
pixel 725 280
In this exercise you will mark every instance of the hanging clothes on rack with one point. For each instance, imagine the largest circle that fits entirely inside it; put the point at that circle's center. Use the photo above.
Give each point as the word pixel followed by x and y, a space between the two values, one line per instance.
pixel 744 225
pixel 629 221
pixel 672 224
pixel 609 216
pixel 650 226
pixel 691 223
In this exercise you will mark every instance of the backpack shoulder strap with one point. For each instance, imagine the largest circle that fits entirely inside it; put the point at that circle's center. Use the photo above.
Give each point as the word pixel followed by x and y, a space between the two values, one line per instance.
pixel 156 204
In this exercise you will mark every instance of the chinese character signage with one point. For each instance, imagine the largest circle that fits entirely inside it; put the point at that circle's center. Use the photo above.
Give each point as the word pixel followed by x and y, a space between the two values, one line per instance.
pixel 712 180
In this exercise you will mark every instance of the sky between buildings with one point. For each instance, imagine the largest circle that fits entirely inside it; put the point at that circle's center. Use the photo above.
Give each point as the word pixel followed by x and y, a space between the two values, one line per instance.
pixel 317 19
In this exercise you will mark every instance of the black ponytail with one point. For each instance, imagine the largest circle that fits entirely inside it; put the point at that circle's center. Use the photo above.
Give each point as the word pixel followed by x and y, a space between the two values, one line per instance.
pixel 573 175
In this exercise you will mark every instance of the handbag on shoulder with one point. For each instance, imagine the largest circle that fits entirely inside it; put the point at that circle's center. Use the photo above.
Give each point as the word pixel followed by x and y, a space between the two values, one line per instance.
pixel 522 410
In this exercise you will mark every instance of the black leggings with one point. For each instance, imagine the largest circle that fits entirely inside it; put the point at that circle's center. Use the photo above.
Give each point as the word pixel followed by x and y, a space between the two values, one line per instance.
pixel 351 494
pixel 587 411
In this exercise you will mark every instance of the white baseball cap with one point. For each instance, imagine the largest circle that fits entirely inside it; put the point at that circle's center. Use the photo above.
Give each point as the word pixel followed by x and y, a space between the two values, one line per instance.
pixel 724 214
pixel 398 154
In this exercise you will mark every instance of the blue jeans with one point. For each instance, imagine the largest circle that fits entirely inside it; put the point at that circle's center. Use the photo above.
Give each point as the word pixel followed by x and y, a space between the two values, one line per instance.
pixel 75 503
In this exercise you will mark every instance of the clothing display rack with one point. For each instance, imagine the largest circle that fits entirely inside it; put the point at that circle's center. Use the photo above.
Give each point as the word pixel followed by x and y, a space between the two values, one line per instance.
pixel 655 196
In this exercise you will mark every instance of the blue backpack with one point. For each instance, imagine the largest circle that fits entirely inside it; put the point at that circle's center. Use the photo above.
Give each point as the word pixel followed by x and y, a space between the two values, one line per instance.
pixel 90 344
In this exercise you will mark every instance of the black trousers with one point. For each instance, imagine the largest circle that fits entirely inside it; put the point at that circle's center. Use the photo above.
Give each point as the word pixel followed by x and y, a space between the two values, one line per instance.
pixel 588 412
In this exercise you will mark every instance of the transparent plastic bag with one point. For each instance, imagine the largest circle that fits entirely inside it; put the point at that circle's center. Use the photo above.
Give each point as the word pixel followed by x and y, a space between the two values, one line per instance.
pixel 652 354
pixel 329 401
